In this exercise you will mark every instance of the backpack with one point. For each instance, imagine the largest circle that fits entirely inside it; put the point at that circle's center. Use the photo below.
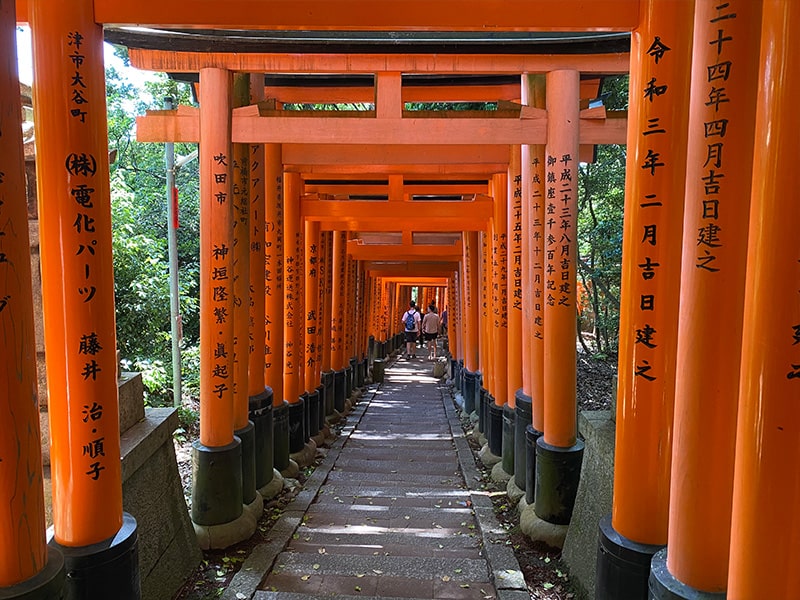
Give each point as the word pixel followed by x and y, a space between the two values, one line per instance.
pixel 410 320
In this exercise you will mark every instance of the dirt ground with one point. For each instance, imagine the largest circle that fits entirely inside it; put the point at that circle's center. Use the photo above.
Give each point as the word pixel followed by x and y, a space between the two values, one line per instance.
pixel 546 576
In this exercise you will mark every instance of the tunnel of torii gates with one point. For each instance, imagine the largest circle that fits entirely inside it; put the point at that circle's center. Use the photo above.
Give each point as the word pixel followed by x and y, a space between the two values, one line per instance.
pixel 337 216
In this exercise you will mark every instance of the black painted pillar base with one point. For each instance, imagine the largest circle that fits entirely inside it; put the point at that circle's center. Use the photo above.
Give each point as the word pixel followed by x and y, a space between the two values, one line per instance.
pixel 47 584
pixel 470 391
pixel 509 419
pixel 378 370
pixel 348 379
pixel 280 436
pixel 261 416
pixel 558 472
pixel 623 566
pixel 297 417
pixel 108 569
pixel 523 418
pixel 494 435
pixel 531 438
pixel 306 418
pixel 327 383
pixel 320 407
pixel 361 372
pixel 380 350
pixel 216 483
pixel 370 349
pixel 483 421
pixel 339 389
pixel 663 586
pixel 455 376
pixel 313 413
pixel 247 436
pixel 351 379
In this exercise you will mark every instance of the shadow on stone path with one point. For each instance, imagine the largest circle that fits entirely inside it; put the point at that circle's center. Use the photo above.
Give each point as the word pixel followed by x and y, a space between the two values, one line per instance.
pixel 387 514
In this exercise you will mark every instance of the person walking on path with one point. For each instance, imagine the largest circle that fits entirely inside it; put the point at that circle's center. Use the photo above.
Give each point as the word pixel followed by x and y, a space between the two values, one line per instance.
pixel 430 330
pixel 411 324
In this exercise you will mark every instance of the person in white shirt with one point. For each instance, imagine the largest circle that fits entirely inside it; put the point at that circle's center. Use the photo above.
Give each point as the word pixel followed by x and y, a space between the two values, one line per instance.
pixel 430 330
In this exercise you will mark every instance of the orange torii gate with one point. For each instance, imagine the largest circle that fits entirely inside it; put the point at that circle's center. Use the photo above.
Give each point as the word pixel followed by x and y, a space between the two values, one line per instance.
pixel 722 67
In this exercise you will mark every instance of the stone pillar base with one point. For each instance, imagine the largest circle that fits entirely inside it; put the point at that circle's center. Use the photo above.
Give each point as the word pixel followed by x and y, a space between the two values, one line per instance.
pixel 291 471
pixel 225 535
pixel 274 487
pixel 305 457
pixel 540 530
pixel 499 474
pixel 487 457
pixel 514 493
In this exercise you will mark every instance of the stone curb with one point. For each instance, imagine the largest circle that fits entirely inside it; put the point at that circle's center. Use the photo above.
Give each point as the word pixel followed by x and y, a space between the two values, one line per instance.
pixel 505 570
pixel 245 583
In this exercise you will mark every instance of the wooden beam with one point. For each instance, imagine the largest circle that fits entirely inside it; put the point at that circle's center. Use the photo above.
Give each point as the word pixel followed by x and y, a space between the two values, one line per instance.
pixel 464 171
pixel 347 189
pixel 422 224
pixel 389 154
pixel 361 251
pixel 399 212
pixel 427 280
pixel 442 64
pixel 163 126
pixel 366 94
pixel 394 15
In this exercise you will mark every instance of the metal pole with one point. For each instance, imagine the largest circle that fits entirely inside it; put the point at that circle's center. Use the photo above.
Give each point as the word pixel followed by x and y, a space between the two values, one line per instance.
pixel 172 243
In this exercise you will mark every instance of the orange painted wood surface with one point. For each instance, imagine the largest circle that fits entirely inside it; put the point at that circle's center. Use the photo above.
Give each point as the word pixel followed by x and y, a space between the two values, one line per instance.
pixel 338 306
pixel 23 550
pixel 311 322
pixel 293 299
pixel 560 247
pixel 77 272
pixel 498 310
pixel 651 269
pixel 764 535
pixel 514 276
pixel 441 155
pixel 161 126
pixel 442 64
pixel 216 262
pixel 273 272
pixel 712 290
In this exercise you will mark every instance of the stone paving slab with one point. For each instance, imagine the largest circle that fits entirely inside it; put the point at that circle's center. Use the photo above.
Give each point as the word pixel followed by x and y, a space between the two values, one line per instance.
pixel 394 517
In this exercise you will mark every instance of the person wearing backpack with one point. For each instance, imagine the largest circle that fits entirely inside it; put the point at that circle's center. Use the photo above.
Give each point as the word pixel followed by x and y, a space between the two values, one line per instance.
pixel 411 322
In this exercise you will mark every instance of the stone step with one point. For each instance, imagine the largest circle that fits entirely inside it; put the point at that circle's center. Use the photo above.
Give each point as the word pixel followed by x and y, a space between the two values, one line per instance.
pixel 421 466
pixel 433 481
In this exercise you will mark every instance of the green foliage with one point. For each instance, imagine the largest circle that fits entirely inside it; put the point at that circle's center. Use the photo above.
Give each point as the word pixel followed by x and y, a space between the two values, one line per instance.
pixel 139 235
pixel 600 218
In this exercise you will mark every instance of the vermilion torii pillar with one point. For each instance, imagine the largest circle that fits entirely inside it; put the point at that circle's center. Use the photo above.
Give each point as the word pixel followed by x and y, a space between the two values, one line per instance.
pixel 273 276
pixel 766 489
pixel 497 351
pixel 217 509
pixel 339 286
pixel 25 560
pixel 718 178
pixel 259 393
pixel 311 325
pixel 637 528
pixel 293 355
pixel 513 307
pixel 326 303
pixel 470 382
pixel 242 347
pixel 530 399
pixel 97 539
pixel 559 453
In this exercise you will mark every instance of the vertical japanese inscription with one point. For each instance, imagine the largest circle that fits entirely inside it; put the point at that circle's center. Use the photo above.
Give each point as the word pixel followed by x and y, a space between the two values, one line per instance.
pixel 516 244
pixel 537 249
pixel 654 168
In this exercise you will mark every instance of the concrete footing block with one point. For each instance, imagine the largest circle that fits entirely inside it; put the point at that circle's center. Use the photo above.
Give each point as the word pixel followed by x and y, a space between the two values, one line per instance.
pixel 540 530
pixel 499 475
pixel 274 487
pixel 306 456
pixel 487 458
pixel 225 535
pixel 292 471
pixel 514 493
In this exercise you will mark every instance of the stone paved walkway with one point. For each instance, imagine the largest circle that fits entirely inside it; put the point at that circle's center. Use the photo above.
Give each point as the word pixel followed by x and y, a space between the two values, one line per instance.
pixel 389 514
